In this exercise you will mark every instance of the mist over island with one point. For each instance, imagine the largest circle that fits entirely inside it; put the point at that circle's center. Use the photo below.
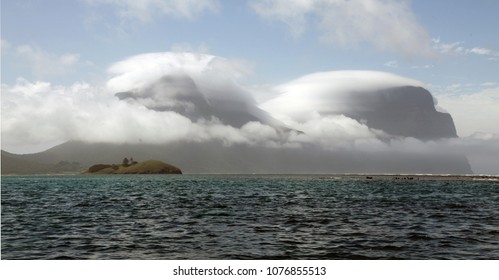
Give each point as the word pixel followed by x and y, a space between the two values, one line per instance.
pixel 189 110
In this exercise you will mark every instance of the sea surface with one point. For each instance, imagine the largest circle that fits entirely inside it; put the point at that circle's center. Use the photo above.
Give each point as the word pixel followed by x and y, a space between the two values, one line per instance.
pixel 247 217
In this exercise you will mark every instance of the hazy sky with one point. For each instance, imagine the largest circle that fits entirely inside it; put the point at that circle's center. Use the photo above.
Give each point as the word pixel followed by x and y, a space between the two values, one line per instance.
pixel 65 55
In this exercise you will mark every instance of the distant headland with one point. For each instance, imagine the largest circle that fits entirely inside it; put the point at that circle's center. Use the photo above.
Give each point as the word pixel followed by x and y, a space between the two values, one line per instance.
pixel 133 167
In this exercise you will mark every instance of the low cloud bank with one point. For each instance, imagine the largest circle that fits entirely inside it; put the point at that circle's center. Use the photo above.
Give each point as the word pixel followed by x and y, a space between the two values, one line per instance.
pixel 151 98
pixel 166 98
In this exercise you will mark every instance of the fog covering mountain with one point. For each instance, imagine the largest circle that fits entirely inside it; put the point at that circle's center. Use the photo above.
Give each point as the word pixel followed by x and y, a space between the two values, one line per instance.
pixel 180 94
pixel 383 101
pixel 189 110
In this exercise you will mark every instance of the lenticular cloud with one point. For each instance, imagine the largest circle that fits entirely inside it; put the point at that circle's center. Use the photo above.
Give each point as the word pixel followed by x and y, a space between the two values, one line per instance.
pixel 395 105
pixel 198 86
pixel 331 93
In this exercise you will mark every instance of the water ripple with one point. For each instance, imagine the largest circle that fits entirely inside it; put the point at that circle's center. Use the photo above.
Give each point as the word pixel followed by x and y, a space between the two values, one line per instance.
pixel 247 217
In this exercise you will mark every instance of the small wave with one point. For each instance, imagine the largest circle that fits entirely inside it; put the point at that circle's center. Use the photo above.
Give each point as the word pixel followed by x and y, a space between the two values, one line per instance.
pixel 64 257
pixel 231 217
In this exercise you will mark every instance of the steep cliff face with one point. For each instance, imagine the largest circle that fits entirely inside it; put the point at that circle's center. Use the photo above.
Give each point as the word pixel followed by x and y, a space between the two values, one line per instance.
pixel 401 111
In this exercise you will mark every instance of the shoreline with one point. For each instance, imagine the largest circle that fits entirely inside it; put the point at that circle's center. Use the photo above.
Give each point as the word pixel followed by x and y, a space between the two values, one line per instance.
pixel 332 177
pixel 417 177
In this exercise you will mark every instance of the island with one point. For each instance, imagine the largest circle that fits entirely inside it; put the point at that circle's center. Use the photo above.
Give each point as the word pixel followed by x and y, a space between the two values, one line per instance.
pixel 133 167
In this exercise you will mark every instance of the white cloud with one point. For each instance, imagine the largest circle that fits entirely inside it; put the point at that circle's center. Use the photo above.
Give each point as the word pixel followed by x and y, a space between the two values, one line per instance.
pixel 43 64
pixel 391 64
pixel 147 10
pixel 387 25
pixel 454 48
pixel 457 48
pixel 36 114
pixel 4 44
pixel 334 132
pixel 141 70
pixel 488 84
pixel 481 51
pixel 293 13
pixel 4 47
pixel 395 64
pixel 472 112
pixel 186 47
pixel 69 58
pixel 426 66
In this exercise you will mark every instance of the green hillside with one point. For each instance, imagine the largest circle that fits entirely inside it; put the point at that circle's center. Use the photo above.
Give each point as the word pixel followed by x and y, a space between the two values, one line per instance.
pixel 13 164
pixel 145 167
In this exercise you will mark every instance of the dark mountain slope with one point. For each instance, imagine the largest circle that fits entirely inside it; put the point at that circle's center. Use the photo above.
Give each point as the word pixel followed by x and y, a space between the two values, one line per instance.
pixel 215 157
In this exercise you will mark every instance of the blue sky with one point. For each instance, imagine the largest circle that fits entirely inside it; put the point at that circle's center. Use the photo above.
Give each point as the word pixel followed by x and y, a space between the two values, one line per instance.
pixel 450 46
pixel 97 33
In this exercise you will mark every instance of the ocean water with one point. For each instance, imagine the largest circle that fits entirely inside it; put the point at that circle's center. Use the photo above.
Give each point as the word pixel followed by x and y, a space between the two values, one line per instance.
pixel 247 217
